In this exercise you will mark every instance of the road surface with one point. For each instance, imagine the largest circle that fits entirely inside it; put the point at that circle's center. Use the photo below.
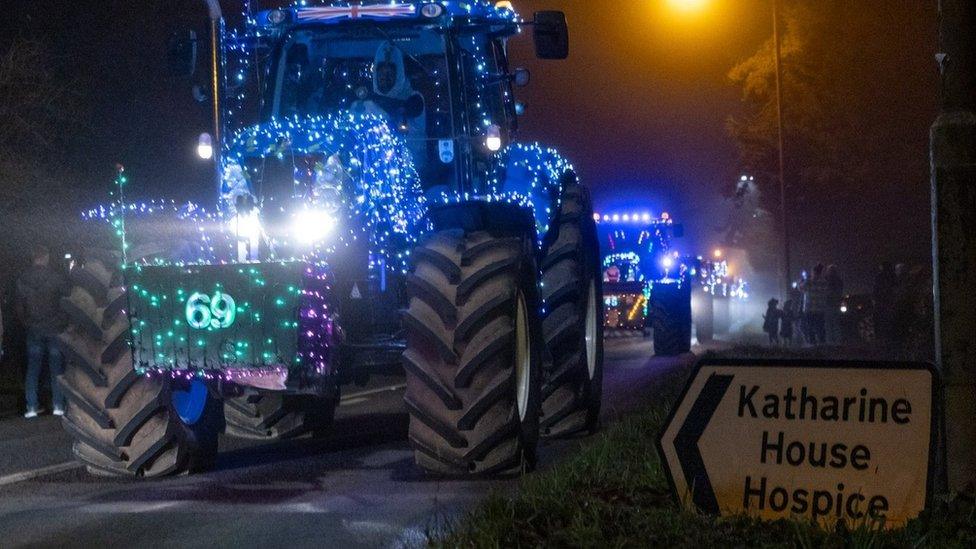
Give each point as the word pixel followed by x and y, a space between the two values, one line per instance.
pixel 357 488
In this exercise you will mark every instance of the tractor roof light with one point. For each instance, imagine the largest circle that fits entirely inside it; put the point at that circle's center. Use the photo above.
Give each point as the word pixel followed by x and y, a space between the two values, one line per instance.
pixel 205 148
pixel 432 10
pixel 277 17
pixel 493 140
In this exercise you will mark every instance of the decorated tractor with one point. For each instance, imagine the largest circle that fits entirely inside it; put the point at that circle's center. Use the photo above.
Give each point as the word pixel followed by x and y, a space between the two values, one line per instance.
pixel 374 210
pixel 646 283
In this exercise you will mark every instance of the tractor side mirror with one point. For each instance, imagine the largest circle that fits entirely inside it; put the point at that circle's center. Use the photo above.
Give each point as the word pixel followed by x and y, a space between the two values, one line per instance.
pixel 551 35
pixel 522 77
pixel 181 53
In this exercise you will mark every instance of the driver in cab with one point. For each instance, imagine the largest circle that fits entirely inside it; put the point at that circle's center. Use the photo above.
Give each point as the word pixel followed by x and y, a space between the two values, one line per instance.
pixel 395 99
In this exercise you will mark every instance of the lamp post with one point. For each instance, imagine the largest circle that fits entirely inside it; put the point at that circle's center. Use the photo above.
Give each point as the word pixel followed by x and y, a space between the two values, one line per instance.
pixel 697 5
pixel 782 169
pixel 953 160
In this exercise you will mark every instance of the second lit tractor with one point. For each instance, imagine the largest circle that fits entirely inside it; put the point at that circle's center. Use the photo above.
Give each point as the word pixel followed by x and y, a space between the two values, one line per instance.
pixel 647 284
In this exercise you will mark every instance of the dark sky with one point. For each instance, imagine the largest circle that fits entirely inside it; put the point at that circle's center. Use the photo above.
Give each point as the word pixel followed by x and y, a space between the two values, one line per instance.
pixel 640 107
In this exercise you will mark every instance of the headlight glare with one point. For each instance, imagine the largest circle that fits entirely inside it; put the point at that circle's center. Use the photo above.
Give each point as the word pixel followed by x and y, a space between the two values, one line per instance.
pixel 311 226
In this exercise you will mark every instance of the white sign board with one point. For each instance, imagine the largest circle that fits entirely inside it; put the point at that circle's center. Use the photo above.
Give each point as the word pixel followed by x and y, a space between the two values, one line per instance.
pixel 826 441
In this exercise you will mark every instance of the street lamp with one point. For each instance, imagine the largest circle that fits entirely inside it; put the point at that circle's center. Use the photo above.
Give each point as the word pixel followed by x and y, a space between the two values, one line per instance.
pixel 695 5
pixel 688 5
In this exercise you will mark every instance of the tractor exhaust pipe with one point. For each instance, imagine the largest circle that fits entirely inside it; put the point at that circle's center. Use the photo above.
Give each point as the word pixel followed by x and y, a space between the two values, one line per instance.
pixel 217 82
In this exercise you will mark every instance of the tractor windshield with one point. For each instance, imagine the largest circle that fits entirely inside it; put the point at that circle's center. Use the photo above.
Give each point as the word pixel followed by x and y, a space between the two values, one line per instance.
pixel 398 74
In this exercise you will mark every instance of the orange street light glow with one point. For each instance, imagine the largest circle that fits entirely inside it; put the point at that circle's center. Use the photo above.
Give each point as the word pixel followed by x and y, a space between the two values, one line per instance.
pixel 688 5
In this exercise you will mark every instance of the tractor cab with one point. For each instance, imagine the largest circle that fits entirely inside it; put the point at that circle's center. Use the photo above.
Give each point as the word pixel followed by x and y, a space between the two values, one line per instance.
pixel 436 73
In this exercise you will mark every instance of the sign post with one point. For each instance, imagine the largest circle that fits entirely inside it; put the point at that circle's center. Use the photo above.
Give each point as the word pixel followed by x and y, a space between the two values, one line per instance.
pixel 826 441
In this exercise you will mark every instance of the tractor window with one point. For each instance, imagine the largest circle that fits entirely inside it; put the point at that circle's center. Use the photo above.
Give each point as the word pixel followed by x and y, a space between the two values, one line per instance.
pixel 485 91
pixel 400 75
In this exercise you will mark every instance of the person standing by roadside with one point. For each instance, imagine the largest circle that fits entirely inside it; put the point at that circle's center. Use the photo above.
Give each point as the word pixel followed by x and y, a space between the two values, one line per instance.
pixel 884 302
pixel 787 321
pixel 902 305
pixel 802 310
pixel 835 297
pixel 39 293
pixel 815 305
pixel 771 321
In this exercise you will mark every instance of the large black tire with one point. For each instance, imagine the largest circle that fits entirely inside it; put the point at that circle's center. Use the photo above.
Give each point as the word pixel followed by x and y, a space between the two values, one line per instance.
pixel 123 424
pixel 464 325
pixel 275 416
pixel 573 296
pixel 704 321
pixel 670 312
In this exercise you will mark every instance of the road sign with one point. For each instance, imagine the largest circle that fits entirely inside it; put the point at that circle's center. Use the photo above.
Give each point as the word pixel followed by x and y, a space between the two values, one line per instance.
pixel 826 441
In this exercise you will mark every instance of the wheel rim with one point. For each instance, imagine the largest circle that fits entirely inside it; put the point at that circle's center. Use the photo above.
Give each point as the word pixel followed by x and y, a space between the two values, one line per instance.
pixel 591 335
pixel 523 358
pixel 190 403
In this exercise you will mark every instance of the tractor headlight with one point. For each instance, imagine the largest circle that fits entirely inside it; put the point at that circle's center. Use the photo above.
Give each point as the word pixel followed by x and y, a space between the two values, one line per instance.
pixel 247 226
pixel 311 226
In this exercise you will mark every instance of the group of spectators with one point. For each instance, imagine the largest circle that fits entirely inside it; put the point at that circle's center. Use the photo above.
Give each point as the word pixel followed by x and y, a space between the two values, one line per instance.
pixel 37 304
pixel 898 313
pixel 811 314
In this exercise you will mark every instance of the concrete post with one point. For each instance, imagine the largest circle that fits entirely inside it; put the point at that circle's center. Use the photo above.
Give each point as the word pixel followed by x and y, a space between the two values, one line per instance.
pixel 953 156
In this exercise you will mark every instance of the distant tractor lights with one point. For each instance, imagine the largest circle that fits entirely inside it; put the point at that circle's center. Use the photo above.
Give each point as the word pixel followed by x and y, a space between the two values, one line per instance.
pixel 205 148
pixel 627 217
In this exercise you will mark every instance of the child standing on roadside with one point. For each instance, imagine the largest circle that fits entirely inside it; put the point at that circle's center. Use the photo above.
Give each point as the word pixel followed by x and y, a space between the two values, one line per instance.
pixel 787 319
pixel 771 321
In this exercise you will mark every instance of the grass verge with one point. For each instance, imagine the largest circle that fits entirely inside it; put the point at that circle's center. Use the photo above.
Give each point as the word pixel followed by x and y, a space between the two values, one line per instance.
pixel 614 493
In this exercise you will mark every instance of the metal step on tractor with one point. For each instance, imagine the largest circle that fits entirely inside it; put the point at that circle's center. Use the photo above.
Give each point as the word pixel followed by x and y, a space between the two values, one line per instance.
pixel 374 210
pixel 647 284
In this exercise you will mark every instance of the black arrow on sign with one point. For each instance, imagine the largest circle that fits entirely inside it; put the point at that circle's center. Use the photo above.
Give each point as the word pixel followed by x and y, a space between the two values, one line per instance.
pixel 686 442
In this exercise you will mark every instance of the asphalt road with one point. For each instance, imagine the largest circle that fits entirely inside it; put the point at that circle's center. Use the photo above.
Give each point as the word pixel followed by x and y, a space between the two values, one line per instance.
pixel 357 488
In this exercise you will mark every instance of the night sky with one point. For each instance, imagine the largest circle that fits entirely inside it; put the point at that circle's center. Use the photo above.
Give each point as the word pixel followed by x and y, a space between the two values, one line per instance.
pixel 640 108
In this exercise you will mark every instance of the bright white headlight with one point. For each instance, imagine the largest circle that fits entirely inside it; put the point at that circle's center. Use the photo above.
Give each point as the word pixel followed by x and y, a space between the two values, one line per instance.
pixel 311 226
pixel 246 226
pixel 205 148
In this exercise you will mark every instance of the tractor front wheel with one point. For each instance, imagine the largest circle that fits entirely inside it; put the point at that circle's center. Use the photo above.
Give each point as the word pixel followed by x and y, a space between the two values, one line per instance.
pixel 124 423
pixel 474 354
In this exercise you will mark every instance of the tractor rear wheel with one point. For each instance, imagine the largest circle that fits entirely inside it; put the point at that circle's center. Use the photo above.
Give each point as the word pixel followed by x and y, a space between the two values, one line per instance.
pixel 474 355
pixel 670 312
pixel 573 325
pixel 124 423
pixel 275 416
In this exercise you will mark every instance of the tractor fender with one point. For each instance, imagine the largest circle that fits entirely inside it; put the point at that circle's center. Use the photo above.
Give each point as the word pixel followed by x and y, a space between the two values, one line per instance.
pixel 497 218
pixel 535 177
